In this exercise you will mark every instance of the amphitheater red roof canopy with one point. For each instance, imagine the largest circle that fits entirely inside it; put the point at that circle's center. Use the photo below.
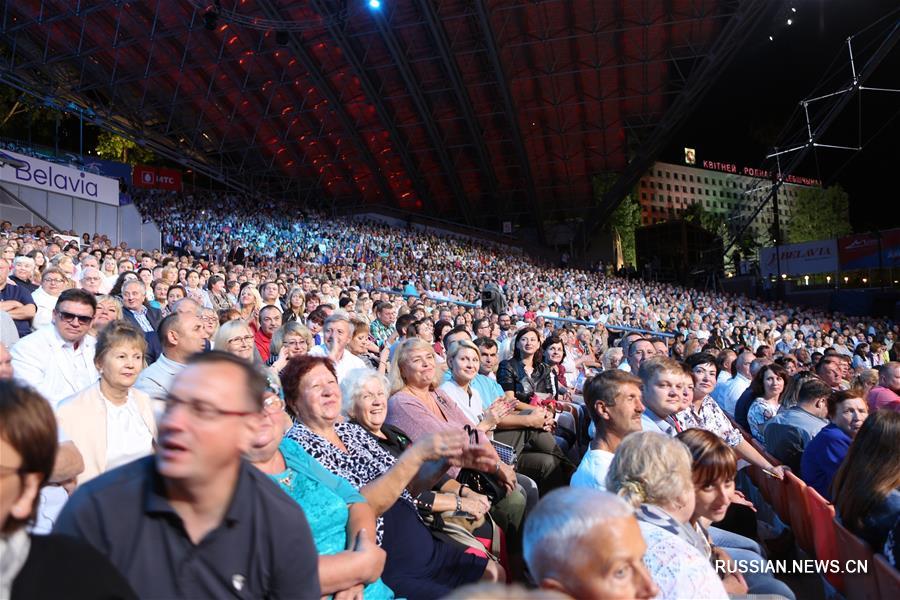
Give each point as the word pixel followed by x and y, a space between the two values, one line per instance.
pixel 467 109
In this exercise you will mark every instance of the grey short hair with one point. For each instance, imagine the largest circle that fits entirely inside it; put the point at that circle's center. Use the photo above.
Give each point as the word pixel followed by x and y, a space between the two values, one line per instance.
pixel 19 260
pixel 353 383
pixel 337 316
pixel 560 521
pixel 651 468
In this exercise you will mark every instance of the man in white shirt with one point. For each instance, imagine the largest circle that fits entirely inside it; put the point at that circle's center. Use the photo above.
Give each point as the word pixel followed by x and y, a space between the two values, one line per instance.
pixel 336 333
pixel 726 394
pixel 182 335
pixel 58 360
pixel 613 400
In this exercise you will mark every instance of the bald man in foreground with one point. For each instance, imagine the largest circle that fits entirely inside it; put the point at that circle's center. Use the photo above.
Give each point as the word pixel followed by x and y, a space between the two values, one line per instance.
pixel 581 541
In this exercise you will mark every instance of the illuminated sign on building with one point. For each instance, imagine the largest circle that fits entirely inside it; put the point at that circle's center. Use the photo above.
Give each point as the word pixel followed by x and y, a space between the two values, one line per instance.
pixel 732 168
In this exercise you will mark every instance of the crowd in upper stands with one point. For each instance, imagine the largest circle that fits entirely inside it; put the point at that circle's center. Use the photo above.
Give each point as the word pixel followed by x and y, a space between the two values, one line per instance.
pixel 279 403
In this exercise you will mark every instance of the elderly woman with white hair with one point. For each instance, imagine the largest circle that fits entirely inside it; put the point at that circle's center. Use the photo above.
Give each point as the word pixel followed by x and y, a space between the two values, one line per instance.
pixel 652 472
pixel 365 394
pixel 567 546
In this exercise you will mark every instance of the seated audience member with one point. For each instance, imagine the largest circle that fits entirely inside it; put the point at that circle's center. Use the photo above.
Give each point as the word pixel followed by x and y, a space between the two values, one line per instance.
pixel 767 387
pixel 292 339
pixel 525 374
pixel 887 393
pixel 419 409
pixel 714 470
pixel 16 301
pixel 365 394
pixel 23 273
pixel 727 393
pixel 652 472
pixel 743 404
pixel 209 524
pixel 418 564
pixel 40 566
pixel 704 413
pixel 143 317
pixel 663 389
pixel 269 322
pixel 182 336
pixel 91 279
pixel 235 337
pixel 109 309
pixel 342 523
pixel 58 360
pixel 6 368
pixel 867 484
pixel 830 370
pixel 336 334
pixel 567 546
pixel 823 455
pixel 639 350
pixel 463 360
pixel 111 423
pixel 789 432
pixel 613 400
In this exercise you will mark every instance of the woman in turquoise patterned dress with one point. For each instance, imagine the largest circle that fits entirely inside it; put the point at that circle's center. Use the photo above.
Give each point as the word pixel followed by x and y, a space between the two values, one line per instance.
pixel 343 525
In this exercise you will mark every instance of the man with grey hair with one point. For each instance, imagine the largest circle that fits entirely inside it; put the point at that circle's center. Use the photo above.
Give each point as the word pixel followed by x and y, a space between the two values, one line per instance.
pixel 145 318
pixel 336 333
pixel 91 279
pixel 567 546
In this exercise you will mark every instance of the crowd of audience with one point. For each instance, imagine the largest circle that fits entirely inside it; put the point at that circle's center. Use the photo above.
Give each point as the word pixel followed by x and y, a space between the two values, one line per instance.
pixel 290 405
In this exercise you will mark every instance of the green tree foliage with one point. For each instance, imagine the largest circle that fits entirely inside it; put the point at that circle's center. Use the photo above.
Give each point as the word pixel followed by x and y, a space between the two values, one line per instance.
pixel 624 220
pixel 22 118
pixel 113 147
pixel 819 214
pixel 711 221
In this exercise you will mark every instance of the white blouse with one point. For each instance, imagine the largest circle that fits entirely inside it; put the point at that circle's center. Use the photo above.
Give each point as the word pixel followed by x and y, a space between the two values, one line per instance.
pixel 127 436
pixel 469 403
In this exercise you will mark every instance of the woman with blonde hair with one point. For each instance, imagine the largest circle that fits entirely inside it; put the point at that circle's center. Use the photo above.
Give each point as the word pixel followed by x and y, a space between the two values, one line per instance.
pixel 235 337
pixel 290 340
pixel 249 303
pixel 111 422
pixel 109 309
pixel 652 472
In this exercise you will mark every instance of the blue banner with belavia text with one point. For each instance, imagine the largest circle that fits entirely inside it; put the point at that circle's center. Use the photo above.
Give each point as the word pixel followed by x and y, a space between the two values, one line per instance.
pixel 51 177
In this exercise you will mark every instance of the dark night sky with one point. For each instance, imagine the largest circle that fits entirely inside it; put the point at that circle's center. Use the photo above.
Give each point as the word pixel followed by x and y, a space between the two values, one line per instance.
pixel 753 101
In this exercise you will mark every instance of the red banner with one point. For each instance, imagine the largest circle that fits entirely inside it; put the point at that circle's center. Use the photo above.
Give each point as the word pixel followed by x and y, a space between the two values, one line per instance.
pixel 144 176
pixel 168 179
pixel 158 178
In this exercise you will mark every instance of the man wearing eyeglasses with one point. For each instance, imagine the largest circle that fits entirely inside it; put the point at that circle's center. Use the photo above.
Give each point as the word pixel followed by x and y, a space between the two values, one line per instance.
pixel 16 301
pixel 58 360
pixel 196 520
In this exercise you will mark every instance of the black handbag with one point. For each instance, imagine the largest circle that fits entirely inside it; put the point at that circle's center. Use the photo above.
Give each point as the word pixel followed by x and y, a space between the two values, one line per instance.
pixel 482 483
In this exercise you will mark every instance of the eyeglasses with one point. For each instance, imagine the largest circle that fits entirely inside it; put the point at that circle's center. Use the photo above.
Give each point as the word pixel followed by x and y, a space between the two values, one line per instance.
pixel 72 317
pixel 295 343
pixel 273 405
pixel 54 280
pixel 244 339
pixel 202 410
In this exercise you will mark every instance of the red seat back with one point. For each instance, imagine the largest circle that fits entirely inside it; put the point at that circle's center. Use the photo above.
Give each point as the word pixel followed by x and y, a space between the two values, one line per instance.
pixel 888 579
pixel 821 517
pixel 799 514
pixel 852 549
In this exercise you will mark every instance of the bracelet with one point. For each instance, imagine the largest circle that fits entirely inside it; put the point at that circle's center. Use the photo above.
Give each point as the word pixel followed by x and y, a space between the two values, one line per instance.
pixel 460 491
pixel 459 504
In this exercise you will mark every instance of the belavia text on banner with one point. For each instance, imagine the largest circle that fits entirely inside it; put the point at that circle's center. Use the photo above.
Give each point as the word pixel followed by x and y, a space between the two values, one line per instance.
pixel 60 179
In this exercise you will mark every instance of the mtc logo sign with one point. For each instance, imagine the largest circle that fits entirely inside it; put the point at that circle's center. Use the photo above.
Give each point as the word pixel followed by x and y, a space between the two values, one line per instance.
pixel 158 178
